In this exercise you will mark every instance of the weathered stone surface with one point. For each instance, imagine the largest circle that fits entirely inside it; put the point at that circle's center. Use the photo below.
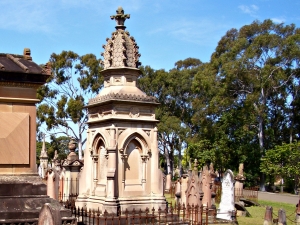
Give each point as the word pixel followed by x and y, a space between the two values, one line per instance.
pixel 14 138
pixel 49 215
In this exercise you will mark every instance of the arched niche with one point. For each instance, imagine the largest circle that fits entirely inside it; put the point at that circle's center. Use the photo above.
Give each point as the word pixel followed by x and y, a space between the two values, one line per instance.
pixel 140 136
pixel 100 160
pixel 133 164
pixel 133 152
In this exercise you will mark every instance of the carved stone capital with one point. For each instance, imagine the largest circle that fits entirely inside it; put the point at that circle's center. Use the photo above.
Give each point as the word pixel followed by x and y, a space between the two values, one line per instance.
pixel 144 158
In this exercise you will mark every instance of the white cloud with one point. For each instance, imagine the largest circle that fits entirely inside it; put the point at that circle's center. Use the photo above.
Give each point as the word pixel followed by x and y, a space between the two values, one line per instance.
pixel 201 32
pixel 278 20
pixel 251 10
pixel 26 16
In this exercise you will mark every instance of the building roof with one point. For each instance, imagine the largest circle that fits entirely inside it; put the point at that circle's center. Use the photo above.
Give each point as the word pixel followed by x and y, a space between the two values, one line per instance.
pixel 14 68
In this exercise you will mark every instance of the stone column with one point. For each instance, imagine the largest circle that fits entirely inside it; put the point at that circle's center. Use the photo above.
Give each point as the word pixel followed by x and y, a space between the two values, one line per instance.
pixel 144 160
pixel 95 172
pixel 112 179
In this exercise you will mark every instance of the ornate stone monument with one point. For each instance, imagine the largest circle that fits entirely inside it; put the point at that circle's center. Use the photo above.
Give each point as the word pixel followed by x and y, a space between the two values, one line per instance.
pixel 43 159
pixel 121 168
pixel 226 207
pixel 72 165
pixel 22 193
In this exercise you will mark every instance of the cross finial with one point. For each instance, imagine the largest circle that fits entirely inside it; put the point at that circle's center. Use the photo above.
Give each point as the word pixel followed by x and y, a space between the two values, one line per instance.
pixel 120 18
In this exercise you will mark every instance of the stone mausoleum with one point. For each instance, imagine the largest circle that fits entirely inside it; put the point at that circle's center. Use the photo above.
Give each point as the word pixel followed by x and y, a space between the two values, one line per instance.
pixel 22 192
pixel 121 169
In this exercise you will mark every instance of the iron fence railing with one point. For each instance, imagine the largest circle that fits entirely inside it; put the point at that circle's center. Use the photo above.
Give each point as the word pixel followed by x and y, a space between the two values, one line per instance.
pixel 178 214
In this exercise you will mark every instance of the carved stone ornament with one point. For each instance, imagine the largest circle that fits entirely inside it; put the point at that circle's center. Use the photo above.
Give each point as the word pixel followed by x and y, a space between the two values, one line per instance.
pixel 121 49
pixel 121 96
pixel 144 158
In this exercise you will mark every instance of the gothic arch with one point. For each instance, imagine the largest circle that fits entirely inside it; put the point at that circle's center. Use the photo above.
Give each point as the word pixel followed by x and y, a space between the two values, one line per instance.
pixel 98 141
pixel 141 137
pixel 99 159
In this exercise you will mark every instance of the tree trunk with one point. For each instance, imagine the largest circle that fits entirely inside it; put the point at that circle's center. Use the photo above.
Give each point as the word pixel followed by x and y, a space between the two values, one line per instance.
pixel 167 156
pixel 179 157
pixel 79 144
pixel 261 136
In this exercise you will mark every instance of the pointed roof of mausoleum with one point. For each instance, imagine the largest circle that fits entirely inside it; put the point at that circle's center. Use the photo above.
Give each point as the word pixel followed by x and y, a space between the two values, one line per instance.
pixel 121 49
pixel 120 62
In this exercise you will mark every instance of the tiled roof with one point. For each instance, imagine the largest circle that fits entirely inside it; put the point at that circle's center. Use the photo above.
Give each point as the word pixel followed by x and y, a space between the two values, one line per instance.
pixel 16 67
pixel 18 63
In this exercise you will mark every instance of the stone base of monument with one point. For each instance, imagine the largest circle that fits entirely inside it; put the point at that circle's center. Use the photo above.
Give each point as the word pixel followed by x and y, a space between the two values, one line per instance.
pixel 122 204
pixel 22 198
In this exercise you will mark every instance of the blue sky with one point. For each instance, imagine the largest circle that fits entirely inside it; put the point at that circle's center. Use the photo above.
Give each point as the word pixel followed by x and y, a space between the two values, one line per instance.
pixel 165 30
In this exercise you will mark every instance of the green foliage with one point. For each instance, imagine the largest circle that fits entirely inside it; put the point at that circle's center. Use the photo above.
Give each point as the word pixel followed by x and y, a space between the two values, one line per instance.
pixel 59 144
pixel 73 81
pixel 284 161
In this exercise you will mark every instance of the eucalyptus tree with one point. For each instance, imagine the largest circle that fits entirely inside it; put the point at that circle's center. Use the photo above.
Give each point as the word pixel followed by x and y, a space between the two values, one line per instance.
pixel 74 79
pixel 250 69
pixel 173 91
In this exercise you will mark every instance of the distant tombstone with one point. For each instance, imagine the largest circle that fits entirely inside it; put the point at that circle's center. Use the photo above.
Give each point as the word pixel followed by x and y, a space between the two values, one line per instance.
pixel 281 217
pixel 178 191
pixel 184 183
pixel 206 187
pixel 268 216
pixel 52 184
pixel 40 171
pixel 298 213
pixel 168 183
pixel 49 215
pixel 227 198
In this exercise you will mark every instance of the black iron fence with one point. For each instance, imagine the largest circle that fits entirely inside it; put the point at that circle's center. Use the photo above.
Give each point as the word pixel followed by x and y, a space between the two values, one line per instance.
pixel 178 214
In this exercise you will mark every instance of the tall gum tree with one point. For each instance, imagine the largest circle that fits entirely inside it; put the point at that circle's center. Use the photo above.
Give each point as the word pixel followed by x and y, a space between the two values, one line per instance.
pixel 74 79
pixel 173 91
pixel 252 65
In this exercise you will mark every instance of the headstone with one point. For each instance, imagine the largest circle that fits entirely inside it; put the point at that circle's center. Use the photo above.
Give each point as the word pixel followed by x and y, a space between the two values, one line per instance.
pixel 281 217
pixel 298 213
pixel 194 193
pixel 268 216
pixel 52 184
pixel 49 215
pixel 213 176
pixel 178 191
pixel 227 198
pixel 206 187
pixel 184 183
pixel 168 183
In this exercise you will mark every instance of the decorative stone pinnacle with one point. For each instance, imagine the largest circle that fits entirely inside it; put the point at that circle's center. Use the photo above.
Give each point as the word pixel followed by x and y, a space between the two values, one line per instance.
pixel 44 150
pixel 120 18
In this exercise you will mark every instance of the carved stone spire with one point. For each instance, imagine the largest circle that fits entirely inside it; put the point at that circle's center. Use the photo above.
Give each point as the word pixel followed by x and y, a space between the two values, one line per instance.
pixel 121 49
pixel 120 18
pixel 44 150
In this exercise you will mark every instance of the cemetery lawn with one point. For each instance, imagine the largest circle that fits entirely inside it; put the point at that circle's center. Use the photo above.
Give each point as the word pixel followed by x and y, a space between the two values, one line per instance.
pixel 258 212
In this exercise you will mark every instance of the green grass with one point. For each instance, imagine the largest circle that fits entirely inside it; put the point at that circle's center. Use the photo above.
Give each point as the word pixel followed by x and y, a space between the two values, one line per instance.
pixel 258 212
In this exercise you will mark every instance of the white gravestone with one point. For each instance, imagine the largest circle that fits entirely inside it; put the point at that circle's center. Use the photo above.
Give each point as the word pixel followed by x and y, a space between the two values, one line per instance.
pixel 227 198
